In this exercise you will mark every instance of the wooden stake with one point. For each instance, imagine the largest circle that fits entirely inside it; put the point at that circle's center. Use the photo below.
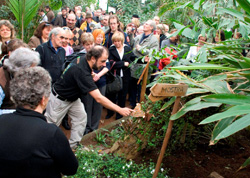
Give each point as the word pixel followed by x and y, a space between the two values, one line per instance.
pixel 167 136
pixel 143 85
pixel 144 81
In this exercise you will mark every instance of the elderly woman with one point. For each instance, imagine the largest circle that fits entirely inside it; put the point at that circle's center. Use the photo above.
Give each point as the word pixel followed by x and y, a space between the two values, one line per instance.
pixel 7 33
pixel 160 33
pixel 193 51
pixel 19 59
pixel 120 56
pixel 30 147
pixel 41 35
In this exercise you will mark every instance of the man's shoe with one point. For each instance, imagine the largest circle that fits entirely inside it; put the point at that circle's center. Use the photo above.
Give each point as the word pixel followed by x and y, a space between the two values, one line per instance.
pixel 65 123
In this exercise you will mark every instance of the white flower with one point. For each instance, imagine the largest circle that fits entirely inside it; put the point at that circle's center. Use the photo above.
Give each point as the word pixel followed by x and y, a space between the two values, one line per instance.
pixel 162 169
pixel 152 172
pixel 88 170
pixel 123 167
pixel 83 168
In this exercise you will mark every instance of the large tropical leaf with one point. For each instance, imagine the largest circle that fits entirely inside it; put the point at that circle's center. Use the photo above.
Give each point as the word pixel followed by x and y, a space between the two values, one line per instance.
pixel 233 99
pixel 203 66
pixel 219 127
pixel 193 105
pixel 233 111
pixel 235 127
pixel 24 11
pixel 245 4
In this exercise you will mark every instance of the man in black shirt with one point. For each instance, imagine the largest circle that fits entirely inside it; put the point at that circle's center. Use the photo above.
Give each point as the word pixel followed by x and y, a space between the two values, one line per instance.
pixel 75 81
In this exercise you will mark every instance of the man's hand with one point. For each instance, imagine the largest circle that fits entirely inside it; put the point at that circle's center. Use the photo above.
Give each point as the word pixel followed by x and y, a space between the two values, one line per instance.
pixel 96 77
pixel 125 111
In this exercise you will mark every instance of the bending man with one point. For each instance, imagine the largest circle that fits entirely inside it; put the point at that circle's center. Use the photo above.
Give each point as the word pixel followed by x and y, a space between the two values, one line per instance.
pixel 75 81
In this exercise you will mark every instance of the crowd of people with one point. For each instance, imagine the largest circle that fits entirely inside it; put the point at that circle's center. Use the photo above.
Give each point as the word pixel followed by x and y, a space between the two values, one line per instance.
pixel 74 51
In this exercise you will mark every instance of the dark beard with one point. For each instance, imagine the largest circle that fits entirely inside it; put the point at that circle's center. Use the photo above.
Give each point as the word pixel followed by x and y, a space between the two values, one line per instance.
pixel 95 67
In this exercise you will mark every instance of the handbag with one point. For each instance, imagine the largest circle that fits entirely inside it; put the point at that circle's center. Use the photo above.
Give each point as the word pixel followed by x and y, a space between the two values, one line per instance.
pixel 114 82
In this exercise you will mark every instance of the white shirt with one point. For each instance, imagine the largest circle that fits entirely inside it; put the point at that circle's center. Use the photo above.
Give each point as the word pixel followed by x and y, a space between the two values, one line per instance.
pixel 121 56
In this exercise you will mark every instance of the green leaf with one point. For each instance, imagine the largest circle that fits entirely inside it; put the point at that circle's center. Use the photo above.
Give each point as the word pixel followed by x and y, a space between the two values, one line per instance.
pixel 225 22
pixel 184 5
pixel 169 103
pixel 234 111
pixel 243 29
pixel 219 127
pixel 235 127
pixel 202 54
pixel 233 99
pixel 232 12
pixel 245 164
pixel 202 66
pixel 197 5
pixel 191 91
pixel 245 4
pixel 218 86
pixel 193 105
pixel 187 32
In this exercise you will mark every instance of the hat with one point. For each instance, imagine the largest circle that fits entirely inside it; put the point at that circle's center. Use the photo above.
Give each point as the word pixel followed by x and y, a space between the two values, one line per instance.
pixel 88 15
pixel 161 27
pixel 135 16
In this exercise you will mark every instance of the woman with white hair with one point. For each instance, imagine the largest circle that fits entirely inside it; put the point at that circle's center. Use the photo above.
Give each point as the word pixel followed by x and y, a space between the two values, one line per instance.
pixel 160 33
pixel 193 51
pixel 19 59
pixel 30 147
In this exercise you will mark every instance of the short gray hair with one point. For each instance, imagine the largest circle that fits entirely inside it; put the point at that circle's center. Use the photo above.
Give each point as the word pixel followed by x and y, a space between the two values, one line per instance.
pixel 55 31
pixel 152 24
pixel 22 58
pixel 29 86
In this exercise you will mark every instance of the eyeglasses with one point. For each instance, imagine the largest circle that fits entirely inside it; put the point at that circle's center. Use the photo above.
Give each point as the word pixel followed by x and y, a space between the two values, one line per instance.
pixel 65 28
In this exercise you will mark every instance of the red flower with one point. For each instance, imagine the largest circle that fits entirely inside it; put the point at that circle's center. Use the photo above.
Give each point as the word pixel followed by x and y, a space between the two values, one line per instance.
pixel 165 61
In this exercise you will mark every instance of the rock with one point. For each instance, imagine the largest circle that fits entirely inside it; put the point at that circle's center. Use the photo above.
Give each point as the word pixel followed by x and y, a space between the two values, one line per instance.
pixel 215 175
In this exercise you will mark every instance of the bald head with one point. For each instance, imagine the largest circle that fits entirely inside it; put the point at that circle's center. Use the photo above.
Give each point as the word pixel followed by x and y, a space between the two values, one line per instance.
pixel 71 21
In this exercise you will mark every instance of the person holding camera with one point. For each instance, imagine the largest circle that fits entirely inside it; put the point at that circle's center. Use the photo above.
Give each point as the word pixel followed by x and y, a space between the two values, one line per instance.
pixel 131 30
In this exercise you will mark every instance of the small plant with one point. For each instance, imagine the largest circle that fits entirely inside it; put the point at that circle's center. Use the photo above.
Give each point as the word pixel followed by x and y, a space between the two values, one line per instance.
pixel 101 137
pixel 116 134
pixel 92 164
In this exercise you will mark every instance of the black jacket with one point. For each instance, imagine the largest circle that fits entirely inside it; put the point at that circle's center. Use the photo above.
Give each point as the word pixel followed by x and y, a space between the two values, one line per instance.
pixel 119 64
pixel 30 147
pixel 50 60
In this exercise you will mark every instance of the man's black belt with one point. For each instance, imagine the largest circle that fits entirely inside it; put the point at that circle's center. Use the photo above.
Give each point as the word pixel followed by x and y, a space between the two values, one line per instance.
pixel 58 96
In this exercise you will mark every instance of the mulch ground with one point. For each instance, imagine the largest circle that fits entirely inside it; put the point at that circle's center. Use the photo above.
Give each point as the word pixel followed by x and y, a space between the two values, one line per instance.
pixel 201 162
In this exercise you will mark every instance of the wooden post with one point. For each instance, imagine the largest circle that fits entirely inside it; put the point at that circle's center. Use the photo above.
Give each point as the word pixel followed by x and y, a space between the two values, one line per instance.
pixel 144 75
pixel 167 136
pixel 144 84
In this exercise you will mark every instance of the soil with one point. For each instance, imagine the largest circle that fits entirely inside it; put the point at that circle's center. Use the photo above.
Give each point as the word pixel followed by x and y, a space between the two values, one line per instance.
pixel 201 162
pixel 204 160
